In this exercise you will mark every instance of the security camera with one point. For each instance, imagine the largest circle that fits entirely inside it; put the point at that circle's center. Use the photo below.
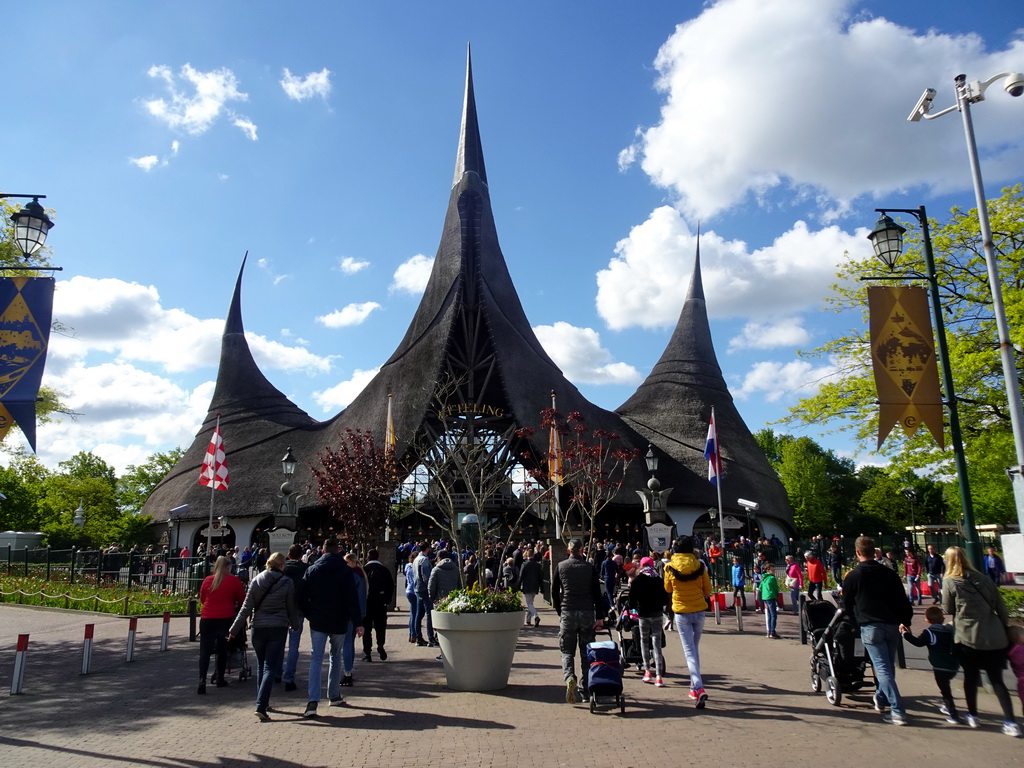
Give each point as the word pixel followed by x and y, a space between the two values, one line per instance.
pixel 750 506
pixel 922 106
pixel 1014 84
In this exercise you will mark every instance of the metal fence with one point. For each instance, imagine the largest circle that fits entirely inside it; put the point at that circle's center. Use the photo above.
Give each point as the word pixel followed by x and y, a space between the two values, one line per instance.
pixel 74 566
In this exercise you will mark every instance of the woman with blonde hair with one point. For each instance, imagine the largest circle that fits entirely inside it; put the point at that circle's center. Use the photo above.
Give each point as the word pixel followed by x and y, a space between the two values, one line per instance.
pixel 271 602
pixel 980 641
pixel 221 594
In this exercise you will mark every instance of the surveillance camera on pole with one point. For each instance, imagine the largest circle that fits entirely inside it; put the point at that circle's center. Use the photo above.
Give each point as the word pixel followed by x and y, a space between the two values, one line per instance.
pixel 750 506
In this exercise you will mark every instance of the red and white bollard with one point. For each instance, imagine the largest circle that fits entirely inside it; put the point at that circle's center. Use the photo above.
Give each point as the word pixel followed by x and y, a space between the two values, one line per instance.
pixel 19 664
pixel 165 632
pixel 87 649
pixel 133 625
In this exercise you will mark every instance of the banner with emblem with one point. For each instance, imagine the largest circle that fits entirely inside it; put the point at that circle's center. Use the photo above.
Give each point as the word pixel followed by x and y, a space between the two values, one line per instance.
pixel 26 309
pixel 903 358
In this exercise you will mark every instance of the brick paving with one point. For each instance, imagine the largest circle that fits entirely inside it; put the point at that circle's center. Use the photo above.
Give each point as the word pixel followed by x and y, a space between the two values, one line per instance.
pixel 399 713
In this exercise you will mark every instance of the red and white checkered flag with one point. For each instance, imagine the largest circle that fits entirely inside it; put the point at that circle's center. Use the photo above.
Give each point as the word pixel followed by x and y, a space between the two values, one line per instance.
pixel 215 465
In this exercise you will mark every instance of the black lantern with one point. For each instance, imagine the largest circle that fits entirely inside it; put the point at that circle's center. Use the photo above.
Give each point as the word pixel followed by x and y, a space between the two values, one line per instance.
pixel 887 240
pixel 31 225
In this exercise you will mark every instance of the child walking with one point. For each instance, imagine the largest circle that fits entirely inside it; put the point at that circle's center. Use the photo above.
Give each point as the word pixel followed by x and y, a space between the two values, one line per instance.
pixel 769 593
pixel 739 582
pixel 755 580
pixel 938 638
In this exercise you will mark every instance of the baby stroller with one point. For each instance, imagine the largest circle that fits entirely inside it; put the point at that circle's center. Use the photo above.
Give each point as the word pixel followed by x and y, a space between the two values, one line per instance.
pixel 627 624
pixel 834 658
pixel 238 656
pixel 604 676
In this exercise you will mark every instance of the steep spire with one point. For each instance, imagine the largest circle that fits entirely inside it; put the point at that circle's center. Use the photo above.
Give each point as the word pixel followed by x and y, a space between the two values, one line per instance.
pixel 470 157
pixel 696 290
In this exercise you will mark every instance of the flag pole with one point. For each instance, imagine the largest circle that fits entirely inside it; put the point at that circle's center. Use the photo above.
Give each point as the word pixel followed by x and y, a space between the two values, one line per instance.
pixel 557 481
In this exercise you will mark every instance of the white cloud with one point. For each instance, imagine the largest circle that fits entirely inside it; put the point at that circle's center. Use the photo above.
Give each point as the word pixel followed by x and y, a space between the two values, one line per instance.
pixel 578 352
pixel 127 320
pixel 786 332
pixel 145 163
pixel 776 381
pixel 412 275
pixel 302 88
pixel 247 126
pixel 194 112
pixel 340 395
pixel 798 95
pixel 351 266
pixel 789 276
pixel 352 314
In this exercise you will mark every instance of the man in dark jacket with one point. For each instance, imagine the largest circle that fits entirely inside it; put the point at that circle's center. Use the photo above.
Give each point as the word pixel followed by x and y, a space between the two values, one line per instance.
pixel 445 577
pixel 874 595
pixel 576 594
pixel 934 569
pixel 380 590
pixel 329 600
pixel 294 569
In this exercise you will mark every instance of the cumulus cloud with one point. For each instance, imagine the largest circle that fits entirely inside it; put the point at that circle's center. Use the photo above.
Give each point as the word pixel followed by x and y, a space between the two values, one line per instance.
pixel 195 100
pixel 352 314
pixel 308 86
pixel 790 380
pixel 786 332
pixel 777 281
pixel 246 126
pixel 146 163
pixel 412 275
pixel 351 266
pixel 340 395
pixel 129 321
pixel 801 95
pixel 578 352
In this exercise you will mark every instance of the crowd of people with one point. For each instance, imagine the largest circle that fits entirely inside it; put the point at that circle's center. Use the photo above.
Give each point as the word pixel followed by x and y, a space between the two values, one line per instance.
pixel 342 600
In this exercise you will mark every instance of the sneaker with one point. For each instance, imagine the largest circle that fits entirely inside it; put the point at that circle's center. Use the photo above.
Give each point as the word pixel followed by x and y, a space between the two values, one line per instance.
pixel 944 710
pixel 262 716
pixel 202 687
pixel 310 709
pixel 337 701
pixel 570 690
pixel 346 680
pixel 289 687
pixel 775 636
pixel 692 694
pixel 421 643
pixel 584 695
pixel 648 677
pixel 950 720
pixel 367 657
pixel 970 720
pixel 536 621
pixel 658 682
pixel 222 683
pixel 702 698
pixel 879 702
pixel 383 654
pixel 1010 728
pixel 894 718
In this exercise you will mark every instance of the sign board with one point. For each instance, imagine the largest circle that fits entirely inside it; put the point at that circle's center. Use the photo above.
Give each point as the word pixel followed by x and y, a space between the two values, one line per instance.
pixel 659 537
pixel 731 523
pixel 281 539
pixel 159 569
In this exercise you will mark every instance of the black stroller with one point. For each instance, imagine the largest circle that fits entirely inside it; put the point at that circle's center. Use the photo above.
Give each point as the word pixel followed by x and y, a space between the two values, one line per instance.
pixel 604 676
pixel 238 656
pixel 627 624
pixel 834 659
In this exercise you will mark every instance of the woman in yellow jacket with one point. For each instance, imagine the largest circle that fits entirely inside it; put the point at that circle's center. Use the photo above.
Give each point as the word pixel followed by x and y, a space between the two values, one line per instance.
pixel 687 580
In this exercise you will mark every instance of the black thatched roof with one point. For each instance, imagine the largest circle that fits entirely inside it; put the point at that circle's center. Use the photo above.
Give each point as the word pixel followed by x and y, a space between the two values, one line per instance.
pixel 673 406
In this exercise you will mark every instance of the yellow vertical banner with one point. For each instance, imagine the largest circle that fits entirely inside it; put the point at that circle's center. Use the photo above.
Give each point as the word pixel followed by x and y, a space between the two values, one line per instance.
pixel 903 359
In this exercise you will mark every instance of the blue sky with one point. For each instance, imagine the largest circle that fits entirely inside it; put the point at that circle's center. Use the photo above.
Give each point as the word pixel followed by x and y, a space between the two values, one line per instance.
pixel 171 138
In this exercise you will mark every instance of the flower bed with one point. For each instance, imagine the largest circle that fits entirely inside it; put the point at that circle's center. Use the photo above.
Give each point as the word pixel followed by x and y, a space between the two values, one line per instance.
pixel 103 597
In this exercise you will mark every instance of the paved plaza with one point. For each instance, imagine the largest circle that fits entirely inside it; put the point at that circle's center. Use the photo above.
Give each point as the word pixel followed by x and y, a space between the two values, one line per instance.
pixel 399 713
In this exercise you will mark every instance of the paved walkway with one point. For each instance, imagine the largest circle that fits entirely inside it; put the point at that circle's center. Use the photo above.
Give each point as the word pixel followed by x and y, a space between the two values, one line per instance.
pixel 761 711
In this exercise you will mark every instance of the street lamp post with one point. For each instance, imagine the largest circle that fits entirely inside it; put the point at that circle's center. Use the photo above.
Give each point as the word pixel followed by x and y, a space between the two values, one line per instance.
pixel 654 497
pixel 287 515
pixel 966 95
pixel 31 225
pixel 911 496
pixel 887 240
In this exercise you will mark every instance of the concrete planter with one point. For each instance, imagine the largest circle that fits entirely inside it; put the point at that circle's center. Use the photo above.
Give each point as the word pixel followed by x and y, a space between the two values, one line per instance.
pixel 477 648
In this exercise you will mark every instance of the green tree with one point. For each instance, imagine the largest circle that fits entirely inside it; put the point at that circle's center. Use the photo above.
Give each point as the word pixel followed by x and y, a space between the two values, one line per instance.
pixel 135 485
pixel 848 402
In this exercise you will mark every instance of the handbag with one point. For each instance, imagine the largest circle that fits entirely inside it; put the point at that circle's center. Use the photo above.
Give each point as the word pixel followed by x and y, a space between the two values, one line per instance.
pixel 791 581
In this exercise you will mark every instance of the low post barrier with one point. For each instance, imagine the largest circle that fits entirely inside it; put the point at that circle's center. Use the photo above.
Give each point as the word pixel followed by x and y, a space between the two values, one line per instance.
pixel 19 665
pixel 133 625
pixel 165 632
pixel 192 615
pixel 87 649
pixel 717 598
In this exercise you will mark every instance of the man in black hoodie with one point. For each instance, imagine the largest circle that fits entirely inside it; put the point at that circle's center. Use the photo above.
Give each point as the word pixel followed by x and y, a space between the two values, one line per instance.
pixel 380 589
pixel 329 601
pixel 874 596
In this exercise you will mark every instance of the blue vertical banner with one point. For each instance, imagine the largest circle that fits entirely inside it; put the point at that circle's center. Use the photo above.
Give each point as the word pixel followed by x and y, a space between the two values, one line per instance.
pixel 26 310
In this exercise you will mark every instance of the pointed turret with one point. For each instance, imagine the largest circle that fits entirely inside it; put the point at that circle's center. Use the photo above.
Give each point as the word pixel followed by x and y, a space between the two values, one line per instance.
pixel 672 407
pixel 470 157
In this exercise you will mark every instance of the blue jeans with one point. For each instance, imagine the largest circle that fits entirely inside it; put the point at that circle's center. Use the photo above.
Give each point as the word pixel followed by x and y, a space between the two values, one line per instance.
pixel 423 609
pixel 650 643
pixel 771 614
pixel 268 645
pixel 291 661
pixel 411 597
pixel 318 641
pixel 914 588
pixel 794 597
pixel 349 646
pixel 880 642
pixel 690 626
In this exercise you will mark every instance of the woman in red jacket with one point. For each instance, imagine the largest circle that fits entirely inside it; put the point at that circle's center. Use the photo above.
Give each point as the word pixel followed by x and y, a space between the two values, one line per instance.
pixel 221 595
